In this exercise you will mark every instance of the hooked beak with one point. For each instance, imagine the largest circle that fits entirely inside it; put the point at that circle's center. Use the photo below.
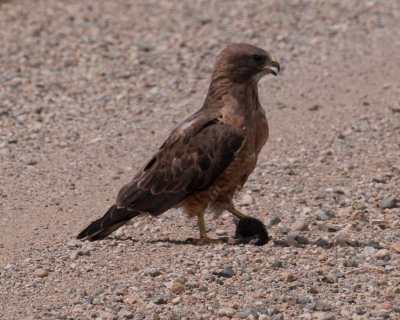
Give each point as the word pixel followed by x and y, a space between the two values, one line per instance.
pixel 274 64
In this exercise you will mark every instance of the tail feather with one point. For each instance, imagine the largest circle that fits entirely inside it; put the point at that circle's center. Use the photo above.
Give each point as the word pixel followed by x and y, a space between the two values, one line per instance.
pixel 111 221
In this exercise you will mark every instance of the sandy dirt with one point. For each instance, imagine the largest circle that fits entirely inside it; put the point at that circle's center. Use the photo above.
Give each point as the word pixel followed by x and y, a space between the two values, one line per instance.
pixel 89 90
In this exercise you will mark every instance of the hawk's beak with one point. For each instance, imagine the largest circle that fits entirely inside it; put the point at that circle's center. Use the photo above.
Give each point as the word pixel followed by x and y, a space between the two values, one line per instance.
pixel 272 63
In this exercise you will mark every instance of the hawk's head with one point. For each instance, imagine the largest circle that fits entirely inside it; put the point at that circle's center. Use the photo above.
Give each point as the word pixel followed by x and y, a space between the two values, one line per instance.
pixel 243 62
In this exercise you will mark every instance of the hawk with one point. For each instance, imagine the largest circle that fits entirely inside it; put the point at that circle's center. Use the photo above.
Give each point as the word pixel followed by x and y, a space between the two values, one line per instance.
pixel 207 159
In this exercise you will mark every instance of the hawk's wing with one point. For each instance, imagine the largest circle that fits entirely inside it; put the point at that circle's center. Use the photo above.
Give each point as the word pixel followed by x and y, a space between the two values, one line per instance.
pixel 190 160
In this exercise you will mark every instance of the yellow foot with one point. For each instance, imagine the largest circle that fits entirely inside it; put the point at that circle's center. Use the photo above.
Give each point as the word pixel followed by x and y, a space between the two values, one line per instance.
pixel 204 241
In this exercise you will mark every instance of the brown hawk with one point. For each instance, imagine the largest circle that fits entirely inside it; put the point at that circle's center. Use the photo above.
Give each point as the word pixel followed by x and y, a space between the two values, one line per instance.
pixel 205 160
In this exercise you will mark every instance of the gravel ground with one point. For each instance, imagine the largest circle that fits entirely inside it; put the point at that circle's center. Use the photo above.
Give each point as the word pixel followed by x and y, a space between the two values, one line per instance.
pixel 89 89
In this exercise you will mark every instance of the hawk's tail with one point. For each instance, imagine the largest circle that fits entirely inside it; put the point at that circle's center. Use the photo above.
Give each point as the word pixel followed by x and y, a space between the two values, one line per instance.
pixel 111 221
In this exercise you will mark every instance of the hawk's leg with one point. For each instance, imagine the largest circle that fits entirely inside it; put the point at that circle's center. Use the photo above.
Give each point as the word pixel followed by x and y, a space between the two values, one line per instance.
pixel 204 239
pixel 237 213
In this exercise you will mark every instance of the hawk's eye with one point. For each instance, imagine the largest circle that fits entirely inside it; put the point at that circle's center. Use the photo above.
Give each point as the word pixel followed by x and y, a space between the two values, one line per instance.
pixel 257 58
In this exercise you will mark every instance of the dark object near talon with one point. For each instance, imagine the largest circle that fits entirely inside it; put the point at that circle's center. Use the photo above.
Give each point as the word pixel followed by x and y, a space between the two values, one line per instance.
pixel 251 230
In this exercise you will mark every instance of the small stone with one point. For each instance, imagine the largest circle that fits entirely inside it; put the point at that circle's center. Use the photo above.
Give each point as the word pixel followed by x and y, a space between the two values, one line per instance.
pixel 389 203
pixel 74 243
pixel 131 300
pixel 396 309
pixel 248 312
pixel 247 200
pixel 328 279
pixel 345 313
pixel 386 305
pixel 226 272
pixel 314 107
pixel 303 300
pixel 374 245
pixel 321 257
pixel 302 239
pixel 300 225
pixel 153 272
pixel 323 243
pixel 177 288
pixel 159 299
pixel 32 162
pixel 226 311
pixel 41 273
pixel 291 240
pixel 323 215
pixel 306 316
pixel 379 222
pixel 274 221
pixel 176 300
pixel 288 277
pixel 380 314
pixel 77 308
pixel 395 247
pixel 358 215
pixel 346 211
pixel 220 232
pixel 342 238
pixel 276 264
pixel 322 306
pixel 284 230
pixel 383 254
pixel 125 314
pixel 323 316
pixel 120 233
pixel 350 263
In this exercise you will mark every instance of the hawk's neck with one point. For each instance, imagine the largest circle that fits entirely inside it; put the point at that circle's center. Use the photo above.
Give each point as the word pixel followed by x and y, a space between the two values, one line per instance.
pixel 245 94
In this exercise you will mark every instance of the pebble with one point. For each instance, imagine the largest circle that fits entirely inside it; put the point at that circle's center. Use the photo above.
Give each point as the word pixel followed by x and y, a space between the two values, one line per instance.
pixel 74 243
pixel 276 264
pixel 324 215
pixel 226 272
pixel 350 263
pixel 274 221
pixel 383 254
pixel 288 277
pixel 314 107
pixel 220 232
pixel 395 247
pixel 153 272
pixel 226 311
pixel 248 313
pixel 246 200
pixel 380 314
pixel 300 225
pixel 41 273
pixel 323 316
pixel 381 222
pixel 131 300
pixel 358 215
pixel 160 299
pixel 389 203
pixel 125 314
pixel 342 238
pixel 303 300
pixel 177 288
pixel 329 278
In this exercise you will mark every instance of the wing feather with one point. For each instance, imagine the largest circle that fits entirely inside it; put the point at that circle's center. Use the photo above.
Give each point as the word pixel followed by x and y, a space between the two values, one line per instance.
pixel 190 160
